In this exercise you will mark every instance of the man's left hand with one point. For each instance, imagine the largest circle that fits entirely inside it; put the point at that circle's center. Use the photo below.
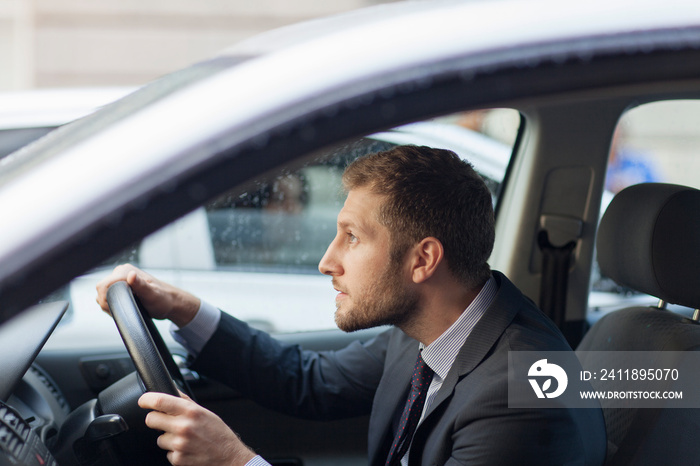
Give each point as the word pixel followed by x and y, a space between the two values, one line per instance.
pixel 192 434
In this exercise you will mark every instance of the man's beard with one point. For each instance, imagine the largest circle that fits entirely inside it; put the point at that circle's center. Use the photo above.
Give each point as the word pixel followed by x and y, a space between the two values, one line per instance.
pixel 387 302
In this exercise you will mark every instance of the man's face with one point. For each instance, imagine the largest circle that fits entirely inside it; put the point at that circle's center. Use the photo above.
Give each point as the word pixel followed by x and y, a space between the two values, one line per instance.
pixel 372 290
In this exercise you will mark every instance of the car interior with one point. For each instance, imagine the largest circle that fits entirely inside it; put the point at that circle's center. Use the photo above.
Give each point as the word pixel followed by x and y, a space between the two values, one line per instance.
pixel 549 201
pixel 635 241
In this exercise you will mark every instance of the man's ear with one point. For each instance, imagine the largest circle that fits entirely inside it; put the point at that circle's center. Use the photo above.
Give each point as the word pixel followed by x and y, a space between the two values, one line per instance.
pixel 426 256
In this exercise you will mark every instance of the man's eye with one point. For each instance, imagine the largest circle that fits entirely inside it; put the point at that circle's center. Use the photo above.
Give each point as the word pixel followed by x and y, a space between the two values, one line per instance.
pixel 352 238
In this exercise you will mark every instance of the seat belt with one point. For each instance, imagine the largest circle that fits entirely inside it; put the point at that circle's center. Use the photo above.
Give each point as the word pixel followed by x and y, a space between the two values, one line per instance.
pixel 557 241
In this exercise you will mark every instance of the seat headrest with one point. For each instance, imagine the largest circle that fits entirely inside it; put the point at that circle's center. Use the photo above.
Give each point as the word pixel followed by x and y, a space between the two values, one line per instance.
pixel 649 240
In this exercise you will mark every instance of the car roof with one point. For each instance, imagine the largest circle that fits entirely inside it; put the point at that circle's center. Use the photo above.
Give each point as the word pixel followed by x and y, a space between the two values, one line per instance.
pixel 366 76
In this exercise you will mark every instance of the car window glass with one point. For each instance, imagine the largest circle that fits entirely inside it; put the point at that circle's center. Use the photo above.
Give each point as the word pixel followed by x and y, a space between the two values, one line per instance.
pixel 256 253
pixel 655 142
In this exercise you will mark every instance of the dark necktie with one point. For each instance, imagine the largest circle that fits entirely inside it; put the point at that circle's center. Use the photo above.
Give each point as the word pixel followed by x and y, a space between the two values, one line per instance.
pixel 422 375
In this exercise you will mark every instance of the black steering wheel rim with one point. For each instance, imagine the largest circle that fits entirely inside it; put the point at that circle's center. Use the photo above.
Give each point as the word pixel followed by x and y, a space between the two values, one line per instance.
pixel 140 341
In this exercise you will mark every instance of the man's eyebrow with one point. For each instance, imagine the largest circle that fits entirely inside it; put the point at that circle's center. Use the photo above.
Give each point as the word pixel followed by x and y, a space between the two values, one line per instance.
pixel 345 224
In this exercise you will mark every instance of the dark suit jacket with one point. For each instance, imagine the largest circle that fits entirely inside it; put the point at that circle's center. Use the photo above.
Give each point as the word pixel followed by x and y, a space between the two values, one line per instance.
pixel 469 421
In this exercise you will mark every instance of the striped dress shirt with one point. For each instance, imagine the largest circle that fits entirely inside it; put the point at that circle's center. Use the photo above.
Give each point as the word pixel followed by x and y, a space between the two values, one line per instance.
pixel 441 354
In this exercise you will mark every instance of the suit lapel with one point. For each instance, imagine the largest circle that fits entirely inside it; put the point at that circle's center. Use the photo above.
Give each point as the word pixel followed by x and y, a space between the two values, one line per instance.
pixel 391 394
pixel 482 338
pixel 401 356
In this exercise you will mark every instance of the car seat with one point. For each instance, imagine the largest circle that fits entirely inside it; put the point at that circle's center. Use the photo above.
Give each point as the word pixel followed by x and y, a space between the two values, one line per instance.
pixel 649 240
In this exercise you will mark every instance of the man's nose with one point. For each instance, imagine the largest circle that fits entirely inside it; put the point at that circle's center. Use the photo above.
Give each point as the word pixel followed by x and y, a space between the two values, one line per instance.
pixel 329 264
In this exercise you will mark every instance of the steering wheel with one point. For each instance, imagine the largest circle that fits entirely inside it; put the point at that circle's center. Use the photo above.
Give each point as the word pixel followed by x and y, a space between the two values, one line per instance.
pixel 154 362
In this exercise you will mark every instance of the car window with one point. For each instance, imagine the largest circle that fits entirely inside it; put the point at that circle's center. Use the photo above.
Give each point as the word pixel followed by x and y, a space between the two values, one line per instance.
pixel 256 253
pixel 655 142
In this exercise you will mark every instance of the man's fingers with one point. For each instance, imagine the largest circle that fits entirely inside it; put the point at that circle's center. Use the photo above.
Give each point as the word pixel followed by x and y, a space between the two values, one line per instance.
pixel 158 421
pixel 192 434
pixel 131 277
pixel 170 443
pixel 120 273
pixel 136 280
pixel 161 300
pixel 165 441
pixel 167 404
pixel 184 395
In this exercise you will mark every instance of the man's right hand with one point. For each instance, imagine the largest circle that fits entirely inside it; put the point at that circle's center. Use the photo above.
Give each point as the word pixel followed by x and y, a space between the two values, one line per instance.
pixel 161 300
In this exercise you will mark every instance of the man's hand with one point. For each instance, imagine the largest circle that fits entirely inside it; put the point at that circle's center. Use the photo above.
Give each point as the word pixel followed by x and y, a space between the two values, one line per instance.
pixel 161 300
pixel 193 435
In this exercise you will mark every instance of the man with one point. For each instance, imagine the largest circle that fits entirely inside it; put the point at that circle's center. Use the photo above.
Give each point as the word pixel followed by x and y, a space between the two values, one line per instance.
pixel 411 248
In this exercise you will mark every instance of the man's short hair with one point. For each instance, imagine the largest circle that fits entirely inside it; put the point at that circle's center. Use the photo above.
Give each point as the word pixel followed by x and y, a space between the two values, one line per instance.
pixel 431 192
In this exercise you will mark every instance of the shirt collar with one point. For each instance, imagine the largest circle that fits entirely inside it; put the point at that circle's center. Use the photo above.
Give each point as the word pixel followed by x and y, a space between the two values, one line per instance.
pixel 441 354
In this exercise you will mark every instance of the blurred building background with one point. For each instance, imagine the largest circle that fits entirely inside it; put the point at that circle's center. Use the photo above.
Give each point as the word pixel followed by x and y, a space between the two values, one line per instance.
pixel 60 43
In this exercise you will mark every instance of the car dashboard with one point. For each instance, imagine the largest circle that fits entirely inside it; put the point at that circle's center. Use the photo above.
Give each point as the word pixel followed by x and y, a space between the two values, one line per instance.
pixel 31 406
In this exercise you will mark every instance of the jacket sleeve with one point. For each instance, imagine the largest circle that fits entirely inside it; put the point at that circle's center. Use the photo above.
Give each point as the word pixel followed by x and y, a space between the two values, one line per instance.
pixel 313 385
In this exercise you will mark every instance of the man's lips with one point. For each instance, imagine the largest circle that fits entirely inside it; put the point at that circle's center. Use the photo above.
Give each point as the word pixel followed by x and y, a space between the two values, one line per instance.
pixel 339 289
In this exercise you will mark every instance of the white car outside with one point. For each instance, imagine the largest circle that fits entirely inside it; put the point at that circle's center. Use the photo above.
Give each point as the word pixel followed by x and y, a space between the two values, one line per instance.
pixel 29 114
